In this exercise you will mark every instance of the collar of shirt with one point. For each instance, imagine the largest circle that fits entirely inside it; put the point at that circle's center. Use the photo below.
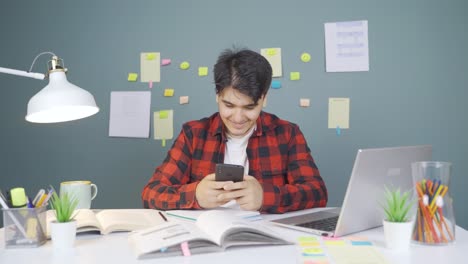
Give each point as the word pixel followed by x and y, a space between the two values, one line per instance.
pixel 263 124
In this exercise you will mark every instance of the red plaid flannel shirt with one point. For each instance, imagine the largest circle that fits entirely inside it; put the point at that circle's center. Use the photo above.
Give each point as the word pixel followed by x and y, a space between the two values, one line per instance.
pixel 279 159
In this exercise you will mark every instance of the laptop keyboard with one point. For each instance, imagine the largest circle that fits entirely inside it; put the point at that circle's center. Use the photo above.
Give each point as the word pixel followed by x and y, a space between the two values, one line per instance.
pixel 326 224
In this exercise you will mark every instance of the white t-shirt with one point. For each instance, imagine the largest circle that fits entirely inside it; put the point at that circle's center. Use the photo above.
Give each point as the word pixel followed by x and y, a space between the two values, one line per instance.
pixel 236 150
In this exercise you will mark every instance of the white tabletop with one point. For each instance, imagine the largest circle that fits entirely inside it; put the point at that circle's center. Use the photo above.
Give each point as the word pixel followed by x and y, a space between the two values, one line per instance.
pixel 113 248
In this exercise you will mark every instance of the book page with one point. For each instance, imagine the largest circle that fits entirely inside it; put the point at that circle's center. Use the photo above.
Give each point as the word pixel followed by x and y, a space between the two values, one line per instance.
pixel 85 220
pixel 168 236
pixel 113 220
pixel 216 223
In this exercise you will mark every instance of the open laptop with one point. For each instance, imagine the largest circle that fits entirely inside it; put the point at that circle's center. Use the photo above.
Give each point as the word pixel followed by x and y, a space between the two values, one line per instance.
pixel 361 210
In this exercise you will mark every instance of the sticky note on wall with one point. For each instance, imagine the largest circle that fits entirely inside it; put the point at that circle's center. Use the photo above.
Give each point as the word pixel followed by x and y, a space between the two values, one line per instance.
pixel 168 92
pixel 163 124
pixel 132 77
pixel 338 113
pixel 275 84
pixel 183 100
pixel 202 71
pixel 304 102
pixel 273 55
pixel 165 62
pixel 150 67
pixel 295 76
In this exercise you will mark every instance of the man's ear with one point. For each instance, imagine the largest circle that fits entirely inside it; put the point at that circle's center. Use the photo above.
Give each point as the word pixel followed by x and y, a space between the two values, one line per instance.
pixel 217 100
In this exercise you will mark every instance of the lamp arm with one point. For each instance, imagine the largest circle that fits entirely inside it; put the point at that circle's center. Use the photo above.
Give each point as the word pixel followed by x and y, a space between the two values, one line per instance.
pixel 34 75
pixel 29 74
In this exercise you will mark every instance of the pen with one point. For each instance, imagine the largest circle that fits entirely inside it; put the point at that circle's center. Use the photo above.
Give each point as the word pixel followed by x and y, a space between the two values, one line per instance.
pixel 163 217
pixel 46 200
pixel 38 196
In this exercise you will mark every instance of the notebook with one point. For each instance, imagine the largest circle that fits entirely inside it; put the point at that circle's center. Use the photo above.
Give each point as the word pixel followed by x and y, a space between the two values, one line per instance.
pixel 361 210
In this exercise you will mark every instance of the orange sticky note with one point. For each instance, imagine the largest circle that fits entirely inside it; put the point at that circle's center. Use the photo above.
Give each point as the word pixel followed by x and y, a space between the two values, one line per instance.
pixel 304 102
pixel 183 100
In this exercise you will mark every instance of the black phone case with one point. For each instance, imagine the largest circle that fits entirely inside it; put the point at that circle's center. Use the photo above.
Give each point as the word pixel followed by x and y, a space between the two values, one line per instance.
pixel 229 172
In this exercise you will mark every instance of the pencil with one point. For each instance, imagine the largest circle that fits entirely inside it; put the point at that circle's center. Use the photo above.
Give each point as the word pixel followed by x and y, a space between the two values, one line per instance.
pixel 163 217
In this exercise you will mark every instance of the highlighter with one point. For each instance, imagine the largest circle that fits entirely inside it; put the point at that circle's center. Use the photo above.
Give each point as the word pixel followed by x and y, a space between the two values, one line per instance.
pixel 18 197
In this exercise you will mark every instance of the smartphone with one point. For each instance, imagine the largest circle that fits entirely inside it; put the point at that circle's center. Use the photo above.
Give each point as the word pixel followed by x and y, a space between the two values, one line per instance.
pixel 229 172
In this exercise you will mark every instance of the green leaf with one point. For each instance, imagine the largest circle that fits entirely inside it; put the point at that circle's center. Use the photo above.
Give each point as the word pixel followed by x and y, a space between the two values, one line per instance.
pixel 64 206
pixel 397 204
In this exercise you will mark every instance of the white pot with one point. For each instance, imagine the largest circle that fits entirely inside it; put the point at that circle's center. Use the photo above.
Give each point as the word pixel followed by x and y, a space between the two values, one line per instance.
pixel 398 235
pixel 63 234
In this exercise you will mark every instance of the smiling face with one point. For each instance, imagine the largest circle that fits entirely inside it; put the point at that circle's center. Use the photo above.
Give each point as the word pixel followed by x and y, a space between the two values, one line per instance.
pixel 238 111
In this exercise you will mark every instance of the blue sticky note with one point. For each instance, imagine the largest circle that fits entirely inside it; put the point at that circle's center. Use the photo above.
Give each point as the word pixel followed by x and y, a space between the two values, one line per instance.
pixel 361 243
pixel 275 84
pixel 338 131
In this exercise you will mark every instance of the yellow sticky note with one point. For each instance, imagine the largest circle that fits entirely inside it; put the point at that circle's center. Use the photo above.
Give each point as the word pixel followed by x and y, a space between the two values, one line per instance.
pixel 132 77
pixel 163 114
pixel 273 56
pixel 305 57
pixel 313 251
pixel 335 243
pixel 184 65
pixel 202 71
pixel 271 52
pixel 307 239
pixel 151 56
pixel 294 76
pixel 309 244
pixel 163 125
pixel 168 92
pixel 338 113
pixel 150 67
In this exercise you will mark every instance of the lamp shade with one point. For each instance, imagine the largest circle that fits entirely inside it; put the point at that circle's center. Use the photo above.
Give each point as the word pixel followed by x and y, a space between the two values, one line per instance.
pixel 60 101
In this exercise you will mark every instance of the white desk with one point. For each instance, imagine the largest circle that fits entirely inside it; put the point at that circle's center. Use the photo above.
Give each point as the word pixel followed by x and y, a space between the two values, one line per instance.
pixel 113 248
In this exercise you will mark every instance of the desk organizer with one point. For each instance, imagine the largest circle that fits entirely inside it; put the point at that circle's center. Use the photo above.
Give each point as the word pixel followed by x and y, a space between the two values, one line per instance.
pixel 24 227
pixel 435 219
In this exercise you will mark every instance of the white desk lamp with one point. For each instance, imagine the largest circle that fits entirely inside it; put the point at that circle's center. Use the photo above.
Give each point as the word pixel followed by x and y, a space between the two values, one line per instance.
pixel 59 101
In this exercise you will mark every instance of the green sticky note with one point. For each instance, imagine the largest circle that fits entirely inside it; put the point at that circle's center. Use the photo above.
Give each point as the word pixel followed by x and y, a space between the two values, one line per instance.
pixel 163 143
pixel 132 77
pixel 163 114
pixel 185 65
pixel 305 57
pixel 294 76
pixel 202 71
pixel 271 52
pixel 150 56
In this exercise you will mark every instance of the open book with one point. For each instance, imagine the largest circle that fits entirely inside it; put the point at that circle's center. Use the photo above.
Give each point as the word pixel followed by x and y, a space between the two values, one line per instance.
pixel 111 220
pixel 213 231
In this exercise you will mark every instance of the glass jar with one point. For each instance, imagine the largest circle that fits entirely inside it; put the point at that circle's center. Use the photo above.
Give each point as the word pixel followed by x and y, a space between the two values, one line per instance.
pixel 435 219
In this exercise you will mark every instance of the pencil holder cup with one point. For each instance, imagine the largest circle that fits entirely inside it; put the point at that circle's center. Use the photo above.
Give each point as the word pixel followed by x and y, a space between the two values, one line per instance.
pixel 435 219
pixel 24 227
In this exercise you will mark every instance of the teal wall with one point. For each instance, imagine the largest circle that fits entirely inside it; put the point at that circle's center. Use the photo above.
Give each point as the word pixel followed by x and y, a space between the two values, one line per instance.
pixel 415 91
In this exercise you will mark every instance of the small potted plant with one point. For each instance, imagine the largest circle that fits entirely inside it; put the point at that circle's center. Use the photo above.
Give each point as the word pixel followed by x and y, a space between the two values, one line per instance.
pixel 398 225
pixel 63 229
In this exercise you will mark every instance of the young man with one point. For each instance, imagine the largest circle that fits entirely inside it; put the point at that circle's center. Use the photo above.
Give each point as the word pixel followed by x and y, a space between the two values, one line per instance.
pixel 280 173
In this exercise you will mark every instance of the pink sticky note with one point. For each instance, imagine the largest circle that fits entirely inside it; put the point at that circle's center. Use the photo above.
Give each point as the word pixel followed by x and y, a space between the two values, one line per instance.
pixel 185 249
pixel 165 62
pixel 150 84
